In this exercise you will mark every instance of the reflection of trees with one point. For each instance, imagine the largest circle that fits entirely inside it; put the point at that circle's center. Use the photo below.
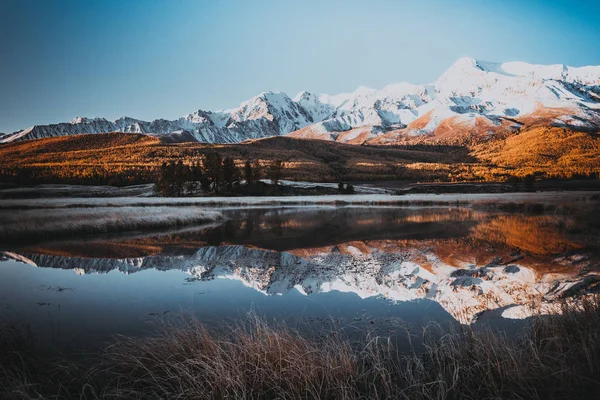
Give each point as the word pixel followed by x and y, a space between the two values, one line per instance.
pixel 250 224
pixel 276 225
pixel 287 229
pixel 534 234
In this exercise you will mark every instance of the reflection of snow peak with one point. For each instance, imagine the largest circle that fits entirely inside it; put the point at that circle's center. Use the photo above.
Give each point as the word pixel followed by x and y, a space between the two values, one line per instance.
pixel 464 293
pixel 16 257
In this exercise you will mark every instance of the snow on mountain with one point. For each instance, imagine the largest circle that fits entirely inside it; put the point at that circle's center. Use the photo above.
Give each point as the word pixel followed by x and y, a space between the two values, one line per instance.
pixel 469 92
pixel 268 114
pixel 315 106
pixel 399 276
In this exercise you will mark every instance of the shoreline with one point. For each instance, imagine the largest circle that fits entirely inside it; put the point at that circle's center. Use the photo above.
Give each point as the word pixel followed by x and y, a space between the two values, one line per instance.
pixel 550 197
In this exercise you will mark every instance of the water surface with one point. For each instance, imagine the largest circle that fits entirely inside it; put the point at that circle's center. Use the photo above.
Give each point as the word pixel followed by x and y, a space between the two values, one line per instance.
pixel 380 270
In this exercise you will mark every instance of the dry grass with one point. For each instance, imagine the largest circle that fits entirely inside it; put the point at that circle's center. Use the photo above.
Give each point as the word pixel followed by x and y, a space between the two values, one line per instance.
pixel 555 358
pixel 28 372
pixel 256 361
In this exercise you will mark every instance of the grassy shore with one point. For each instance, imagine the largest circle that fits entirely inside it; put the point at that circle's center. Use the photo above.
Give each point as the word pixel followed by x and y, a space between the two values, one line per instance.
pixel 555 358
pixel 40 224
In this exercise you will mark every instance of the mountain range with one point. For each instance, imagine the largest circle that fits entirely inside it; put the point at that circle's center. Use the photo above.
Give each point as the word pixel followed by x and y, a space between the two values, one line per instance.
pixel 473 97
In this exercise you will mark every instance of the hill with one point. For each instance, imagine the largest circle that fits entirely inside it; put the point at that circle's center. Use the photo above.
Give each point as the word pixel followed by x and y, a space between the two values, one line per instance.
pixel 121 158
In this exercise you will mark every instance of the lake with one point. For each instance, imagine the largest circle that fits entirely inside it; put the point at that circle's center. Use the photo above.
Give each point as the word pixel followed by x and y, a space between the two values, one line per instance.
pixel 380 270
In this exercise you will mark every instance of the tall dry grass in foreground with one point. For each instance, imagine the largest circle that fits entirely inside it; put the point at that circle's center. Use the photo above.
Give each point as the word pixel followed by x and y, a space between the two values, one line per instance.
pixel 556 358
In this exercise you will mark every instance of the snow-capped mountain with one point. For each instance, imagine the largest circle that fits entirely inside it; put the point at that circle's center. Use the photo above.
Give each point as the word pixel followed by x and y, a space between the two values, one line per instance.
pixel 476 96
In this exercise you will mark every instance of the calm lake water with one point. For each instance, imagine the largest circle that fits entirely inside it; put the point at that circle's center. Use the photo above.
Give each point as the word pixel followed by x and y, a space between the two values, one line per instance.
pixel 382 270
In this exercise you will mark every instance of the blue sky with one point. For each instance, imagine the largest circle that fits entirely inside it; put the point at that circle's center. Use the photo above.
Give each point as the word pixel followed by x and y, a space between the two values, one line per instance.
pixel 163 59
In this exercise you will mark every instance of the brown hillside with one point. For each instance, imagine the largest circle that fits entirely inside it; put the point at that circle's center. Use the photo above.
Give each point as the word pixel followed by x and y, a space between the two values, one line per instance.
pixel 545 152
pixel 104 155
pixel 542 149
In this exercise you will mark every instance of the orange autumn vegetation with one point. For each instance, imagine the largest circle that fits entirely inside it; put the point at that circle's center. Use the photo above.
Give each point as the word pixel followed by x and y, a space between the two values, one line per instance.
pixel 540 151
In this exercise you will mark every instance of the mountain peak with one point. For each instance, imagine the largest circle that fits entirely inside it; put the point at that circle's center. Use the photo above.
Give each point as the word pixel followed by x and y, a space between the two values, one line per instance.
pixel 271 95
pixel 464 65
pixel 469 65
pixel 126 120
pixel 363 91
pixel 78 120
pixel 466 62
pixel 306 96
pixel 85 120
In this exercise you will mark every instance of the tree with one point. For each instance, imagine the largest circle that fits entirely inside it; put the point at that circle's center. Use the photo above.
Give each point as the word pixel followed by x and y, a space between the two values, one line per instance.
pixel 24 176
pixel 166 179
pixel 248 173
pixel 529 180
pixel 276 171
pixel 205 184
pixel 256 171
pixel 230 172
pixel 181 177
pixel 195 177
pixel 213 167
pixel 346 188
pixel 161 184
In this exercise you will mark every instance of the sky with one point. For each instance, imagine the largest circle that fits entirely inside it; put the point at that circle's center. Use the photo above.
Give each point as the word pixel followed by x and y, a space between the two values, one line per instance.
pixel 164 59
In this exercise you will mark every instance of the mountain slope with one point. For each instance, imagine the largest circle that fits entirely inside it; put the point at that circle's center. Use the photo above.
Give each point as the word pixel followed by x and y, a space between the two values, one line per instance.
pixel 98 158
pixel 473 98
pixel 544 149
pixel 100 155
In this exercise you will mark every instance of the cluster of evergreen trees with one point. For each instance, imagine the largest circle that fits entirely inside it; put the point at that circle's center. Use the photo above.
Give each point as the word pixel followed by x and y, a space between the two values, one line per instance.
pixel 346 188
pixel 214 174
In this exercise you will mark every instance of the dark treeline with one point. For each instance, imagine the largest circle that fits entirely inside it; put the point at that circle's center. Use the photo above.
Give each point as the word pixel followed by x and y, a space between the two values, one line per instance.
pixel 217 175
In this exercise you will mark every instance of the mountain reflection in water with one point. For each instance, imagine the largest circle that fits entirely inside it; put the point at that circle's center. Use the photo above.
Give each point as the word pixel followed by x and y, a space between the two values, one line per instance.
pixel 465 260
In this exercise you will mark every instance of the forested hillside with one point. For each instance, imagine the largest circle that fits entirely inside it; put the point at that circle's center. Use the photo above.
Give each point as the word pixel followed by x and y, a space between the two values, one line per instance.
pixel 120 159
